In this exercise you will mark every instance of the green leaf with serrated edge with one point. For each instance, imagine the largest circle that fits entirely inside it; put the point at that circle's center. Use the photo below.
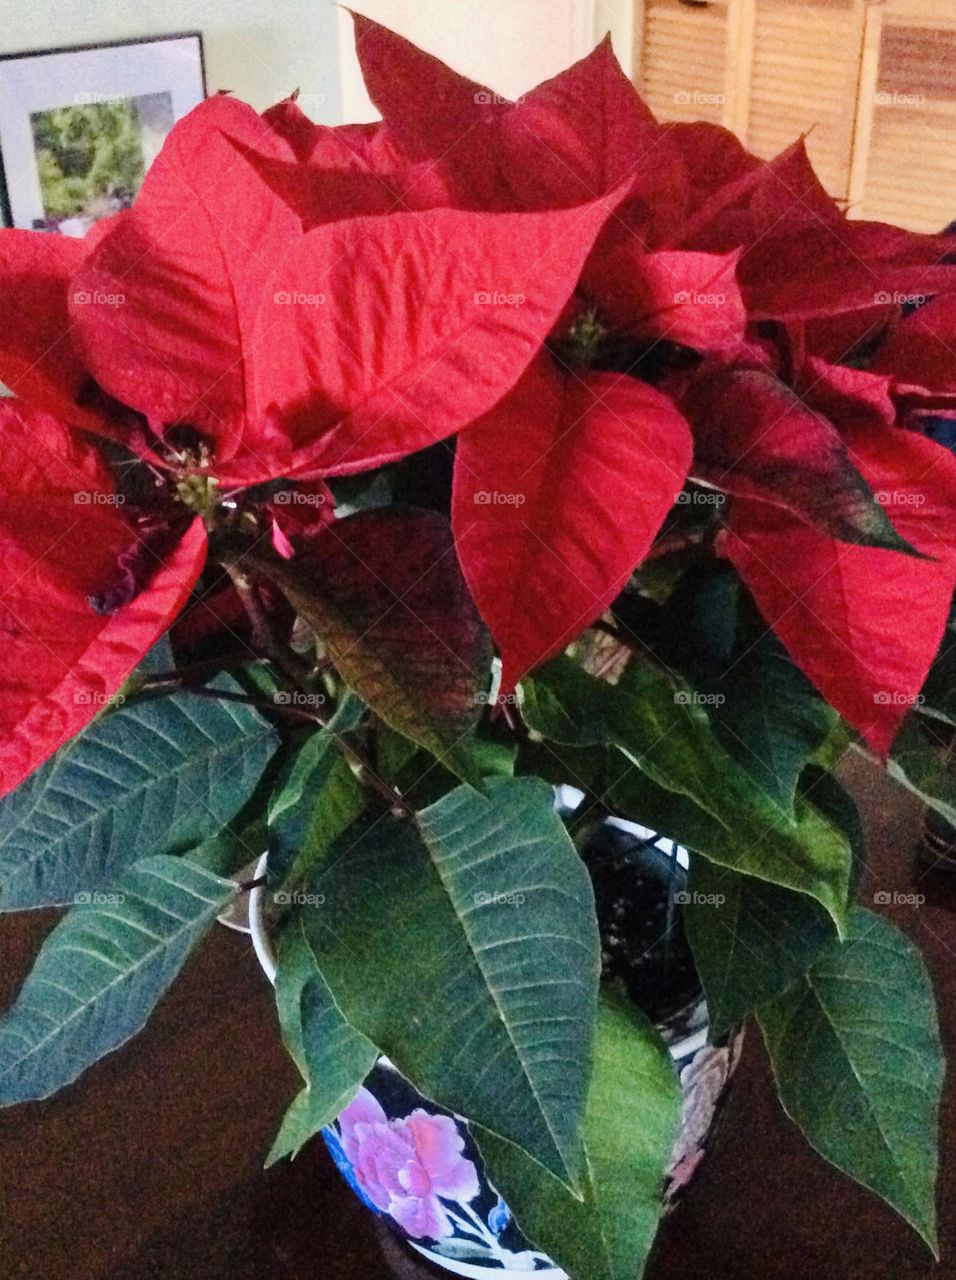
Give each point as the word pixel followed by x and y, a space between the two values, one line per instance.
pixel 921 760
pixel 752 939
pixel 859 1066
pixel 101 971
pixel 656 722
pixel 770 718
pixel 471 935
pixel 629 1129
pixel 156 776
pixel 315 799
pixel 383 591
pixel 332 1056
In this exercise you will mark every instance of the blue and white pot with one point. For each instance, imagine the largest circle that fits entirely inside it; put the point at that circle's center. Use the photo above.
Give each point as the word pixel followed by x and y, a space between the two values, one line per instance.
pixel 415 1165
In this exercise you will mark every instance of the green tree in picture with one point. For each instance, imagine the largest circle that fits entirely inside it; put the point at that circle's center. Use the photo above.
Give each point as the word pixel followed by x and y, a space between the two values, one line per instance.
pixel 86 152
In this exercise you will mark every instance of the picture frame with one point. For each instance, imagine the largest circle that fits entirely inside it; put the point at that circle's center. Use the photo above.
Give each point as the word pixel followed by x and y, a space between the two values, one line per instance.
pixel 79 126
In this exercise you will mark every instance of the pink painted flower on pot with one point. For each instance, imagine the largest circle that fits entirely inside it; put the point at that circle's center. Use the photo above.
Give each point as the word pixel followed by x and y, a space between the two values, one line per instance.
pixel 405 1165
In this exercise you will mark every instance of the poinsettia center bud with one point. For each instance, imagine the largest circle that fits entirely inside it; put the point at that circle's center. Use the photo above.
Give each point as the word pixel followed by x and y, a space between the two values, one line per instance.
pixel 582 343
pixel 198 493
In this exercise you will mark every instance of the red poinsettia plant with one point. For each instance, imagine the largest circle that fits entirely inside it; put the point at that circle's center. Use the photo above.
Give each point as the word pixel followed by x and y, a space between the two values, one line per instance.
pixel 333 415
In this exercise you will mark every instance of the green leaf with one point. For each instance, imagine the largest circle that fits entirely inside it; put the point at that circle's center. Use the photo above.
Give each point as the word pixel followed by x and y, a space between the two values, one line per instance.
pixel 101 971
pixel 686 784
pixel 630 1126
pixel 922 760
pixel 156 776
pixel 858 1063
pixel 316 799
pixel 383 591
pixel 752 939
pixel 333 1057
pixel 472 938
pixel 771 719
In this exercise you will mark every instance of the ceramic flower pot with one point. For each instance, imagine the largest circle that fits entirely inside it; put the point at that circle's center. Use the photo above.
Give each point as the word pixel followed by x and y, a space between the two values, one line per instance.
pixel 415 1165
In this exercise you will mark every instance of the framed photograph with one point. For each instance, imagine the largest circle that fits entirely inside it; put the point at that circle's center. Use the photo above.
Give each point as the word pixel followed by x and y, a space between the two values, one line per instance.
pixel 79 127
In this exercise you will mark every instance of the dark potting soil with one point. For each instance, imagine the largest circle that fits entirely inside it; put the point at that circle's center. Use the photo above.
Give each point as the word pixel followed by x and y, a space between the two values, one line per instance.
pixel 643 943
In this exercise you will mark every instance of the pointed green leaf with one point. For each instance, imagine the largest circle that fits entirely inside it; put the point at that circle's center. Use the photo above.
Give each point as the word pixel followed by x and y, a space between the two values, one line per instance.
pixel 858 1063
pixel 752 939
pixel 630 1126
pixel 771 719
pixel 101 971
pixel 686 784
pixel 333 1057
pixel 155 776
pixel 316 799
pixel 470 939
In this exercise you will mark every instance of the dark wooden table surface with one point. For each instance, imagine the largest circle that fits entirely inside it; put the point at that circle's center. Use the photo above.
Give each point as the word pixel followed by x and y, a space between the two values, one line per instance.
pixel 150 1167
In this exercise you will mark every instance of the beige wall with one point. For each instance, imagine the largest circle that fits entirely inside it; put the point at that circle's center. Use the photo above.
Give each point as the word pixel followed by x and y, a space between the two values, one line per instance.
pixel 260 49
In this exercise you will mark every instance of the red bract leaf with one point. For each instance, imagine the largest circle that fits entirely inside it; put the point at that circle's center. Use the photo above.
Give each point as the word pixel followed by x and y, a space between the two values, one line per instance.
pixel 760 198
pixel 164 307
pixel 435 114
pixel 61 540
pixel 579 135
pixel 558 494
pixel 863 624
pixel 569 140
pixel 348 171
pixel 417 325
pixel 691 298
pixel 756 438
pixel 921 351
pixel 817 271
pixel 39 361
pixel 847 396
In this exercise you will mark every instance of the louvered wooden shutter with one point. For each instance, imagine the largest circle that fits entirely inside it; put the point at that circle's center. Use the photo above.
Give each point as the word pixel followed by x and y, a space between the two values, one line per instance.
pixel 910 166
pixel 683 63
pixel 806 58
